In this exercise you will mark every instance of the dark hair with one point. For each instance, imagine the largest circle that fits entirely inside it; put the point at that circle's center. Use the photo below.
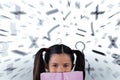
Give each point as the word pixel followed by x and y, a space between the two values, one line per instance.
pixel 39 62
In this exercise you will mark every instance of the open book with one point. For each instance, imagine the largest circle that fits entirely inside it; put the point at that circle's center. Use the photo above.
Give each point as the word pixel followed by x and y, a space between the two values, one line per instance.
pixel 76 75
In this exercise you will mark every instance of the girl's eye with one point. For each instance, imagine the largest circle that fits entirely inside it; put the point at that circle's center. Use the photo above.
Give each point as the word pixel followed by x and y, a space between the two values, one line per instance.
pixel 54 65
pixel 66 65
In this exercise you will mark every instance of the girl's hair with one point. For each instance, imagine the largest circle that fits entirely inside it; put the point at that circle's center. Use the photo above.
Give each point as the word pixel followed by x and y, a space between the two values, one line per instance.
pixel 40 62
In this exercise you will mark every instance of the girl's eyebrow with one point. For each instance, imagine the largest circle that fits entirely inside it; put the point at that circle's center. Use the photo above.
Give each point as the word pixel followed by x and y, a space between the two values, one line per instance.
pixel 53 63
pixel 67 63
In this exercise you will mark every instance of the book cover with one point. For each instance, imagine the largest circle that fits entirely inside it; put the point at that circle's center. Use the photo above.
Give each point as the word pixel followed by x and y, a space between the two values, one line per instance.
pixel 77 75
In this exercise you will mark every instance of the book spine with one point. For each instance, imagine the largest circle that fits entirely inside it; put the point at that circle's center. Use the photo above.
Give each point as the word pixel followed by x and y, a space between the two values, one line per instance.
pixel 62 76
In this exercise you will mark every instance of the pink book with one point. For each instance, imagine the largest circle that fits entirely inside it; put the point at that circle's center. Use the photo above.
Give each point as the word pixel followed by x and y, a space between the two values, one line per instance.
pixel 76 75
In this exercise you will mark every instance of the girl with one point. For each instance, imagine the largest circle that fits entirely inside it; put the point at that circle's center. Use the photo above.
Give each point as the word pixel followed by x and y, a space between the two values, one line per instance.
pixel 58 58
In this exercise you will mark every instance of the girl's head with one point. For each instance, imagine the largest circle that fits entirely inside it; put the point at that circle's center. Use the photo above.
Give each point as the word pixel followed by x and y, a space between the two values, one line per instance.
pixel 58 58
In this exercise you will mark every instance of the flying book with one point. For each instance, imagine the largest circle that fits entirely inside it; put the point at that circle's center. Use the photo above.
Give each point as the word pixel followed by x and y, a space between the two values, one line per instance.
pixel 76 75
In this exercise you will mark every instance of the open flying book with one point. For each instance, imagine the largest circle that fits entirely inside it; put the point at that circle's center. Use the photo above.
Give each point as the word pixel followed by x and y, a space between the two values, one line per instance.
pixel 76 75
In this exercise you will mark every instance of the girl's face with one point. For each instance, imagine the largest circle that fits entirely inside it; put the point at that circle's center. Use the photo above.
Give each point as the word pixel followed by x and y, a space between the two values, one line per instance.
pixel 60 63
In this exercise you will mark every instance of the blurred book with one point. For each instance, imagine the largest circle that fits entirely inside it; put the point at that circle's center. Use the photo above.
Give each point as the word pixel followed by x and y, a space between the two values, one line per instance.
pixel 76 75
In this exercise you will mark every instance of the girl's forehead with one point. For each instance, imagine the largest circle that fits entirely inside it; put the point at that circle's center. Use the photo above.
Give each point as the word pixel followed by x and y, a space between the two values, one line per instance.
pixel 60 57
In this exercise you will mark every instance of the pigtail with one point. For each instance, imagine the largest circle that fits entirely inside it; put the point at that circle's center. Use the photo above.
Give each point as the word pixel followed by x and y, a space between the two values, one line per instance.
pixel 39 65
pixel 80 62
